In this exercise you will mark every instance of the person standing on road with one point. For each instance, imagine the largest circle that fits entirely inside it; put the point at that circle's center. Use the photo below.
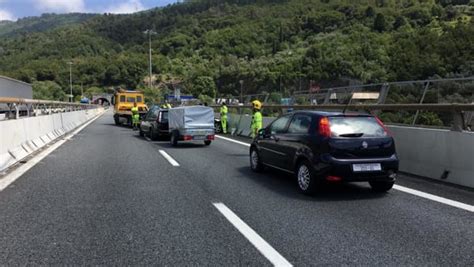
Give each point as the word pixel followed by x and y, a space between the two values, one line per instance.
pixel 257 119
pixel 223 112
pixel 135 117
pixel 166 105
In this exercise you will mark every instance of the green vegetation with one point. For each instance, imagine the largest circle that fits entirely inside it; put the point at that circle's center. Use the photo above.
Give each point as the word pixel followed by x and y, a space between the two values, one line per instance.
pixel 274 46
pixel 40 24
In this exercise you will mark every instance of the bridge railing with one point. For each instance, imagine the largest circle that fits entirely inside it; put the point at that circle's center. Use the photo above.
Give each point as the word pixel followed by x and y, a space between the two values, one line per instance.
pixel 15 108
pixel 461 113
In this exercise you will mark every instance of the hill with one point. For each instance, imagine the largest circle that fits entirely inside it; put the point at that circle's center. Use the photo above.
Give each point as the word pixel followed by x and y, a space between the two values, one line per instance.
pixel 40 24
pixel 271 45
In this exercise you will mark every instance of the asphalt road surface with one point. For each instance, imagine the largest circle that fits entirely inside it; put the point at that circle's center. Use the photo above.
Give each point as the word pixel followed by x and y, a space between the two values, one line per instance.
pixel 110 197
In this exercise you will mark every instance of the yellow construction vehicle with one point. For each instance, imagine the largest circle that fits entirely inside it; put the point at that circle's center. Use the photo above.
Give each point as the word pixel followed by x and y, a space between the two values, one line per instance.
pixel 123 101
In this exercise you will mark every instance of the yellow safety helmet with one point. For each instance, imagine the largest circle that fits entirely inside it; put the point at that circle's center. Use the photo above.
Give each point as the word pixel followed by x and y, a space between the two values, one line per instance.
pixel 257 104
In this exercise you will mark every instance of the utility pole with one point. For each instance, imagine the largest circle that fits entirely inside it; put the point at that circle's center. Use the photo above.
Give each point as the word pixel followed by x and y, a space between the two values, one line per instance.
pixel 150 32
pixel 241 91
pixel 70 80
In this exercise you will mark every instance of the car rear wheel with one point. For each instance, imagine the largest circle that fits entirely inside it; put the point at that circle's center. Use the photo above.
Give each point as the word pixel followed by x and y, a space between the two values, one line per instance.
pixel 218 127
pixel 207 142
pixel 255 161
pixel 307 181
pixel 381 186
pixel 174 139
pixel 140 132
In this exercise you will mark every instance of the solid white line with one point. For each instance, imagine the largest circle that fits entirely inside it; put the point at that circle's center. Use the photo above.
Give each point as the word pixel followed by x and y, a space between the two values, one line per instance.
pixel 18 172
pixel 268 251
pixel 169 158
pixel 443 200
pixel 232 140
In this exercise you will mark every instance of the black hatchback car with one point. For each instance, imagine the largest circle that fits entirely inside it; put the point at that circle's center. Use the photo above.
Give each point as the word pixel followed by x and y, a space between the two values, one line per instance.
pixel 155 123
pixel 327 147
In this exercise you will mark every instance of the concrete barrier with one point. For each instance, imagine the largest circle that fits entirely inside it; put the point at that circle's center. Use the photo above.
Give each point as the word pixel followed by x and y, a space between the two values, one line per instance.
pixel 435 153
pixel 432 153
pixel 19 138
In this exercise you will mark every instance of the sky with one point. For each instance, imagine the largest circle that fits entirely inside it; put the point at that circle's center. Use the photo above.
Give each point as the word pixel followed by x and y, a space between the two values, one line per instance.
pixel 15 9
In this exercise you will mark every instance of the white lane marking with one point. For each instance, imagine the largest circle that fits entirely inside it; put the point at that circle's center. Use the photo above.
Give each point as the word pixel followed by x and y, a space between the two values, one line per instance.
pixel 268 251
pixel 147 138
pixel 435 198
pixel 443 200
pixel 17 173
pixel 169 158
pixel 232 140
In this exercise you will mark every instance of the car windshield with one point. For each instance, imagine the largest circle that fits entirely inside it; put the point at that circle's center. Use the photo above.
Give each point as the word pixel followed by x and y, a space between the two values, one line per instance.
pixel 356 127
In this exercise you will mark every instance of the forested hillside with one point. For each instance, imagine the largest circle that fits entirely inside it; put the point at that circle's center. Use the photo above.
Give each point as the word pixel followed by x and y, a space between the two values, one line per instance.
pixel 272 45
pixel 40 24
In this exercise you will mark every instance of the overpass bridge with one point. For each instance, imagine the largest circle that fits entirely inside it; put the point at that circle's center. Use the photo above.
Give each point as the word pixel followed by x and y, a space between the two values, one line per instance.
pixel 101 195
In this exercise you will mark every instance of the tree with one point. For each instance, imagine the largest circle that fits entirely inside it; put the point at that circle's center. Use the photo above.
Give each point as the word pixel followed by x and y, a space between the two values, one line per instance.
pixel 380 24
pixel 203 85
pixel 369 12
pixel 48 90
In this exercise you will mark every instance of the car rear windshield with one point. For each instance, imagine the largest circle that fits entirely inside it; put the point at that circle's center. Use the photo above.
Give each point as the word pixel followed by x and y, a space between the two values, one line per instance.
pixel 356 127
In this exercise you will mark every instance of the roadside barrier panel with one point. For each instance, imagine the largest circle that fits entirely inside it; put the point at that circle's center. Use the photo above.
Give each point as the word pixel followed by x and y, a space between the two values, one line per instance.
pixel 436 153
pixel 19 138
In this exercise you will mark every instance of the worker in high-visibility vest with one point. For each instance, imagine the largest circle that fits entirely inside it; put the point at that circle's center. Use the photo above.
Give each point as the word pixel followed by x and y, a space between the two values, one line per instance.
pixel 257 119
pixel 166 105
pixel 223 112
pixel 135 117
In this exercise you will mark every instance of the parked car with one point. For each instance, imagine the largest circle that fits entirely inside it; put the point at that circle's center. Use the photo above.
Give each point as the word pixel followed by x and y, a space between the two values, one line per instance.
pixel 191 123
pixel 155 123
pixel 327 146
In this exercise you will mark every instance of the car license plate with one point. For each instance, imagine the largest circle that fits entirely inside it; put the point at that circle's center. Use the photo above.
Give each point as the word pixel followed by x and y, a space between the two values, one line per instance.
pixel 366 167
pixel 199 137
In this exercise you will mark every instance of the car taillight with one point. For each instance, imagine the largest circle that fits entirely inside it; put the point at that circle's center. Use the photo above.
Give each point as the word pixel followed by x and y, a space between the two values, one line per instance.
pixel 324 127
pixel 210 137
pixel 387 131
pixel 188 137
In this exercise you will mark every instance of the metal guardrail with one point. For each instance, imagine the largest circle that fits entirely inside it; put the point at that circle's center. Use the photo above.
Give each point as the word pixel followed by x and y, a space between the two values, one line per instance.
pixel 370 107
pixel 15 108
pixel 458 111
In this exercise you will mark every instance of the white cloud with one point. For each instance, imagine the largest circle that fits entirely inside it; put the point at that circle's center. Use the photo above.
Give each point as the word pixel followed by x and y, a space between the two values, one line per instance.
pixel 5 15
pixel 130 6
pixel 60 5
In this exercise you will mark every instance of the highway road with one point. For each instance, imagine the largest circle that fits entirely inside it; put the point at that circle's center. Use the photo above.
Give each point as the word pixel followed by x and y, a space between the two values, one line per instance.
pixel 110 197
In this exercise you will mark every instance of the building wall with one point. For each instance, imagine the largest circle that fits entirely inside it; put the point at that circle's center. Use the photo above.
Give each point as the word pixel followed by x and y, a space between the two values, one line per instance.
pixel 13 88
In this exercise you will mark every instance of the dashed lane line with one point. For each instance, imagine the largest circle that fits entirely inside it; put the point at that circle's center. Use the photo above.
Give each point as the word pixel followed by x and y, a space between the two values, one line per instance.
pixel 257 241
pixel 171 160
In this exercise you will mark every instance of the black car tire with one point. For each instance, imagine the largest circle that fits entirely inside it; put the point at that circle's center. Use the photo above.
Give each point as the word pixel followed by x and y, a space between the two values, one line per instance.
pixel 140 132
pixel 255 161
pixel 218 127
pixel 117 120
pixel 306 179
pixel 381 186
pixel 207 142
pixel 174 139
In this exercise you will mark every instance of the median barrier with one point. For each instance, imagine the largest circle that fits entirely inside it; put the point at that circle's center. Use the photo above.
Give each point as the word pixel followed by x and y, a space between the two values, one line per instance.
pixel 19 138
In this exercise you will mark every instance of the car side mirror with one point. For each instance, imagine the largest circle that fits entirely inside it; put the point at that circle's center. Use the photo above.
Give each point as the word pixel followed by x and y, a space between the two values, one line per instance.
pixel 261 133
